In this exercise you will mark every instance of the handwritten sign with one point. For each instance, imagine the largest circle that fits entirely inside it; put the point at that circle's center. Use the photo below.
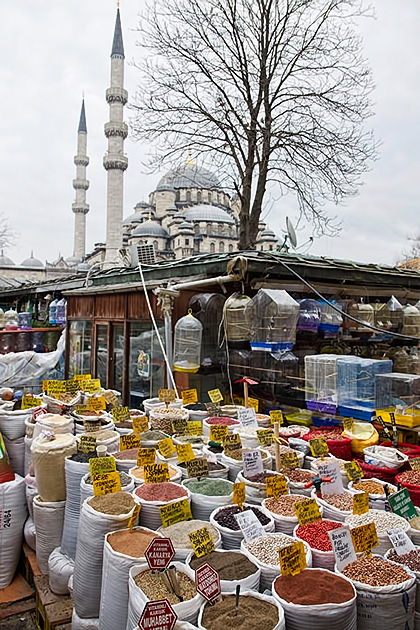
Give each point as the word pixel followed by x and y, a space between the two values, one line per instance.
pixel 102 465
pixel 253 464
pixel 239 493
pixel 213 409
pixel 276 415
pixel 330 469
pixel 87 444
pixel 197 468
pixel 121 414
pixel 166 447
pixel 292 558
pixel 179 425
pixel 218 432
pixel 140 424
pixel 56 387
pixel 353 470
pixel 189 396
pixel 110 398
pixel 202 542
pixel 276 486
pixel 319 447
pixel 167 395
pixel 348 425
pixel 82 377
pixel 106 483
pixel 253 402
pixel 343 548
pixel 215 395
pixel 175 512
pixel 232 442
pixel 247 417
pixel 156 473
pixel 400 541
pixel 131 440
pixel 92 386
pixel 92 425
pixel 30 401
pixel 360 503
pixel 307 511
pixel 97 403
pixel 265 437
pixel 250 525
pixel 185 452
pixel 414 463
pixel 133 519
pixel 82 409
pixel 364 538
pixel 193 427
pixel 289 461
pixel 146 456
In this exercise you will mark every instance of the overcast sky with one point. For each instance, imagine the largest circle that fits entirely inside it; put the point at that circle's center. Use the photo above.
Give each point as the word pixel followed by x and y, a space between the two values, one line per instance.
pixel 52 51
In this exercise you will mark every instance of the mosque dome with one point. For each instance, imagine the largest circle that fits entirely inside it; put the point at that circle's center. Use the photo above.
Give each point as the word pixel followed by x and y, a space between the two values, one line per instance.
pixel 208 213
pixel 32 262
pixel 188 176
pixel 5 261
pixel 72 260
pixel 148 228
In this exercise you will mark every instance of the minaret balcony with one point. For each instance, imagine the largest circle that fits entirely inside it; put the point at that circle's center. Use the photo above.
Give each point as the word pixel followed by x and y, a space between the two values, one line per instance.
pixel 116 95
pixel 81 160
pixel 80 208
pixel 115 161
pixel 80 184
pixel 116 129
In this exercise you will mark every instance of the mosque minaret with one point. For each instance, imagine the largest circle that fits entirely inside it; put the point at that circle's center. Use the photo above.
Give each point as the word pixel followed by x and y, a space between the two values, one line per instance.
pixel 80 185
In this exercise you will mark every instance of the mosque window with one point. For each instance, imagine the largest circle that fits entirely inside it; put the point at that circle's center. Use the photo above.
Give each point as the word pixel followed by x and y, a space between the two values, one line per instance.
pixel 209 196
pixel 208 229
pixel 212 248
pixel 271 248
pixel 187 241
pixel 188 197
pixel 231 247
pixel 221 247
pixel 155 245
pixel 177 196
pixel 199 196
pixel 196 229
pixel 220 228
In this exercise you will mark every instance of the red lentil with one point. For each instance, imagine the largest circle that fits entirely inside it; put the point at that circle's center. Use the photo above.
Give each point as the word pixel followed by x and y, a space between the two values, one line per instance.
pixel 225 420
pixel 316 534
pixel 161 491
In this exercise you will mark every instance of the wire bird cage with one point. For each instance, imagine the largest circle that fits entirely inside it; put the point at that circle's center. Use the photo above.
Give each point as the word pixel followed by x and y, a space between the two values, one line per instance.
pixel 396 315
pixel 382 316
pixel 411 321
pixel 272 314
pixel 331 320
pixel 321 382
pixel 364 313
pixel 187 344
pixel 309 315
pixel 399 393
pixel 237 327
pixel 356 385
pixel 208 309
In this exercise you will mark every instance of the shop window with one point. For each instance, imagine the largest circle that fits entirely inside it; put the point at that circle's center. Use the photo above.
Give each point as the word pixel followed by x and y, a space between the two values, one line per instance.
pixel 101 354
pixel 80 345
pixel 118 357
pixel 146 371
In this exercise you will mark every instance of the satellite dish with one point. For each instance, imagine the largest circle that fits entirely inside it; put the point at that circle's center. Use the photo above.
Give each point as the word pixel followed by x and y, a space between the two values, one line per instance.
pixel 291 233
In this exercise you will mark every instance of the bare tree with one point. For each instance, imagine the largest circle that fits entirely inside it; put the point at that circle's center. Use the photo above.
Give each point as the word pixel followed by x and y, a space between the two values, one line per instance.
pixel 8 235
pixel 266 90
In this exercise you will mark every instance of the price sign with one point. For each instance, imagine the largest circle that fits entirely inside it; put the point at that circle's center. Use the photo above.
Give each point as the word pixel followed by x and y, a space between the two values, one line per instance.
pixel 353 470
pixel 197 468
pixel 72 387
pixel 102 465
pixel 121 414
pixel 185 452
pixel 156 473
pixel 92 386
pixel 400 541
pixel 343 548
pixel 56 387
pixel 360 503
pixel 319 447
pixel 189 396
pixel 193 427
pixel 232 442
pixel 207 582
pixel 348 425
pixel 179 425
pixel 364 538
pixel 166 447
pixel 402 504
pixel 250 525
pixel 307 511
pixel 175 512
pixel 215 395
pixel 106 483
pixel 384 427
pixel 91 425
pixel 167 395
pixel 87 444
pixel 159 553
pixel 253 464
pixel 82 409
pixel 97 404
pixel 79 378
pixel 110 398
pixel 247 417
pixel 30 401
pixel 131 440
pixel 276 415
pixel 213 409
pixel 265 437
pixel 330 468
pixel 38 412
pixel 292 558
pixel 133 519
pixel 276 486
pixel 414 463
pixel 254 402
pixel 289 461
pixel 140 424
pixel 239 494
pixel 146 456
pixel 202 542
pixel 218 432
pixel 158 615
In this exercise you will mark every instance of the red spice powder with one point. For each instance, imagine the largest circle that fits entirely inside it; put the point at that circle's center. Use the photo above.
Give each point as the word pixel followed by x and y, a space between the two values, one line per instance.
pixel 222 420
pixel 161 491
pixel 316 534
pixel 312 587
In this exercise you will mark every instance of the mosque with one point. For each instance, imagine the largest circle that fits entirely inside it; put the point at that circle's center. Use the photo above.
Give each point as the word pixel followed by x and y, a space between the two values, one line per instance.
pixel 188 213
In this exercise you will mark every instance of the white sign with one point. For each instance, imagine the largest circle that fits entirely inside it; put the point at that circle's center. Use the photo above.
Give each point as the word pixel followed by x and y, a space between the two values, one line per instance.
pixel 247 417
pixel 250 525
pixel 400 541
pixel 253 464
pixel 342 545
pixel 331 469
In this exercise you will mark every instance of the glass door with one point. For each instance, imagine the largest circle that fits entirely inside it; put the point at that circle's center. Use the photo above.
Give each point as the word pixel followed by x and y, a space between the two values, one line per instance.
pixel 101 353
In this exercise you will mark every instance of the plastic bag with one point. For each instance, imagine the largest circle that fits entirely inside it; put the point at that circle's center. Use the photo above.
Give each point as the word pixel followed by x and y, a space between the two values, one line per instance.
pixel 77 623
pixel 12 423
pixel 48 519
pixel 60 568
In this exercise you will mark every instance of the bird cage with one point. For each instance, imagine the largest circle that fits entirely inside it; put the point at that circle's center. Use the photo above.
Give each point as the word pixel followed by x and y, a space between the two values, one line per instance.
pixel 382 316
pixel 395 314
pixel 356 385
pixel 11 318
pixel 362 312
pixel 321 382
pixel 399 393
pixel 413 362
pixel 309 315
pixel 401 361
pixel 238 364
pixel 331 319
pixel 284 370
pixel 237 329
pixel 208 309
pixel 411 321
pixel 273 315
pixel 187 344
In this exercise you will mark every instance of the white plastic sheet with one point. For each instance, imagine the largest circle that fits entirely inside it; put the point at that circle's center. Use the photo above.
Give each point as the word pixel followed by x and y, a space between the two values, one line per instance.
pixel 48 519
pixel 77 623
pixel 13 513
pixel 12 423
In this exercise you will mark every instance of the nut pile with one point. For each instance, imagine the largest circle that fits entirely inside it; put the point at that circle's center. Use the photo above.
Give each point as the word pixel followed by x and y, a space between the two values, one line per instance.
pixel 161 418
pixel 316 534
pixel 375 572
pixel 410 476
pixel 415 522
pixel 285 505
pixel 327 434
pixel 410 559
pixel 343 502
pixel 266 548
pixel 299 475
pixel 371 487
pixel 383 521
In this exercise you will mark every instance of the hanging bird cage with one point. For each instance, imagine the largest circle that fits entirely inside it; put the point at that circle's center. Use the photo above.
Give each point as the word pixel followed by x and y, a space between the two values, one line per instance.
pixel 237 328
pixel 396 315
pixel 187 344
pixel 364 313
pixel 331 319
pixel 208 309
pixel 273 315
pixel 411 321
pixel 284 371
pixel 382 316
pixel 356 385
pixel 309 315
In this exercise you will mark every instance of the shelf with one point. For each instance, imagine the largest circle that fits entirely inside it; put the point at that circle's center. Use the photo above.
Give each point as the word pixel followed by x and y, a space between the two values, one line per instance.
pixel 19 330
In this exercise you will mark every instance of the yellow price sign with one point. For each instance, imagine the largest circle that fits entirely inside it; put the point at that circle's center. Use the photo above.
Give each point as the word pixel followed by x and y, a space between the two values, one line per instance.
pixel 92 386
pixel 97 403
pixel 185 452
pixel 218 432
pixel 121 414
pixel 307 511
pixel 292 558
pixel 87 444
pixel 56 387
pixel 348 425
pixel 156 473
pixel 353 470
pixel 360 503
pixel 189 396
pixel 289 461
pixel 276 415
pixel 239 493
pixel 202 542
pixel 193 428
pixel 265 437
pixel 276 486
pixel 82 409
pixel 319 447
pixel 166 447
pixel 106 483
pixel 215 395
pixel 146 456
pixel 175 512
pixel 197 467
pixel 365 538
pixel 102 465
pixel 232 442
pixel 140 424
pixel 30 401
pixel 179 425
pixel 414 463
pixel 254 402
pixel 82 377
pixel 131 440
pixel 110 398
pixel 133 519
pixel 167 395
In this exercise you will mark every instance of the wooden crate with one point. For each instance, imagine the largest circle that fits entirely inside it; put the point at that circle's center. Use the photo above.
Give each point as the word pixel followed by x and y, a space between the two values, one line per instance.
pixel 52 611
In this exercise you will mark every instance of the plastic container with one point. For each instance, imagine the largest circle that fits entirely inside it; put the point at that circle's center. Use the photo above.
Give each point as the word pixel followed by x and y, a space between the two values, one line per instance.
pixel 187 344
pixel 321 382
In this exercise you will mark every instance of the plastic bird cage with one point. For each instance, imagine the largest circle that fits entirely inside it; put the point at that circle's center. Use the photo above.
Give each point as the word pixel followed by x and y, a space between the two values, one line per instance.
pixel 208 309
pixel 321 382
pixel 382 316
pixel 356 385
pixel 396 315
pixel 411 321
pixel 187 344
pixel 331 320
pixel 273 315
pixel 364 313
pixel 237 328
pixel 309 315
pixel 399 393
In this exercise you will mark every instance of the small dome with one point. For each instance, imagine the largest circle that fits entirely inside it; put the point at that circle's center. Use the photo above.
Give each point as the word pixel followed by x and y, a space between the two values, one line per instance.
pixel 83 267
pixel 268 232
pixel 135 217
pixel 148 228
pixel 185 225
pixel 142 204
pixel 73 260
pixel 5 261
pixel 208 213
pixel 32 262
pixel 188 176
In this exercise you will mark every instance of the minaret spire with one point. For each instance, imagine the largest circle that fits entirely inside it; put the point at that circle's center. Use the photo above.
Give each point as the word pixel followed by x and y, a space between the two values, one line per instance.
pixel 80 184
pixel 115 162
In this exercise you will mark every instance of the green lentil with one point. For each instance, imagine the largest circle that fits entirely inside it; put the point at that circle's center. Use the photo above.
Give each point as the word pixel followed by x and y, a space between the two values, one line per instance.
pixel 210 487
pixel 153 586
